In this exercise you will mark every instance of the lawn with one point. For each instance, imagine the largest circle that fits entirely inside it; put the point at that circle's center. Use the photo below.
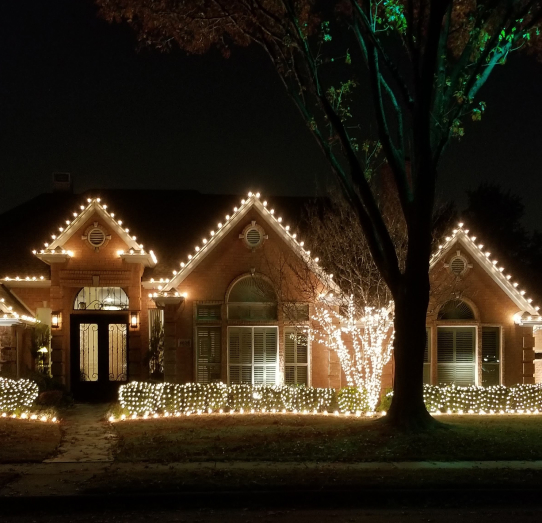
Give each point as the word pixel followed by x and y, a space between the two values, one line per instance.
pixel 290 438
pixel 24 441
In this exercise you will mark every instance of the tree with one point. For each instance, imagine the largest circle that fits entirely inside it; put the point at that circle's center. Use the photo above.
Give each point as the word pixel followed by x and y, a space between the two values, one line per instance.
pixel 424 63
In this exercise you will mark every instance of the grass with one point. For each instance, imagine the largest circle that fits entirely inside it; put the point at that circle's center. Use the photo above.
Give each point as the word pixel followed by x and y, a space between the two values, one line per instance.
pixel 27 441
pixel 298 438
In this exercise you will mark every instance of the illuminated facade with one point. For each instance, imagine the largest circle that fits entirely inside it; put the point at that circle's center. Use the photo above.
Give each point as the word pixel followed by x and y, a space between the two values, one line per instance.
pixel 209 293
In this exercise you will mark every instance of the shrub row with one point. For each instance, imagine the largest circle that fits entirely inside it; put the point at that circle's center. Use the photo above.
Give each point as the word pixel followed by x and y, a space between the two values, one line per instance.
pixel 473 399
pixel 148 398
pixel 17 395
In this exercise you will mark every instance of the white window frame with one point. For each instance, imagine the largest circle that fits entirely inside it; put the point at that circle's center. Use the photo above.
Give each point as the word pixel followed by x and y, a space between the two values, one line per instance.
pixel 196 345
pixel 252 327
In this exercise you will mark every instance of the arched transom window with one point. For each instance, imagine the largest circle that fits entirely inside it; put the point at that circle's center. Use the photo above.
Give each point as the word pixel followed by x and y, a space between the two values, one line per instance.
pixel 455 310
pixel 252 298
pixel 101 299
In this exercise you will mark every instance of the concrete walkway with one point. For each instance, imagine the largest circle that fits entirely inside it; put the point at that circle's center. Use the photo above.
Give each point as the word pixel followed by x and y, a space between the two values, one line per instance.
pixel 86 436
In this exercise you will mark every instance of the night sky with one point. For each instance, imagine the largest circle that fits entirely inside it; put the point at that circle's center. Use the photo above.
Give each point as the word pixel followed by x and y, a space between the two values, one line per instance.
pixel 77 96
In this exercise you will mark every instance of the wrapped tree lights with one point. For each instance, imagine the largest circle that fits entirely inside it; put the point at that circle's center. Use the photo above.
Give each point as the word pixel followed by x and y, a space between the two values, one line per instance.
pixel 363 344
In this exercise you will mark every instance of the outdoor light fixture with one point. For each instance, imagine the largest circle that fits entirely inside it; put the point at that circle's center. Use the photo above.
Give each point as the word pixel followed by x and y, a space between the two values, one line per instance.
pixel 56 320
pixel 134 319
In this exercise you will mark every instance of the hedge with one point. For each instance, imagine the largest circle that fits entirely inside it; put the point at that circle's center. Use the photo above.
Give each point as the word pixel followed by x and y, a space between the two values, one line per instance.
pixel 142 398
pixel 17 395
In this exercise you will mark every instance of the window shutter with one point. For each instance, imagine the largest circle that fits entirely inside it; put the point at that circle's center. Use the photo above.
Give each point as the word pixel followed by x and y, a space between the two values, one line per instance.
pixel 445 346
pixel 426 359
pixel 208 312
pixel 455 353
pixel 296 358
pixel 209 354
pixel 491 356
pixel 464 346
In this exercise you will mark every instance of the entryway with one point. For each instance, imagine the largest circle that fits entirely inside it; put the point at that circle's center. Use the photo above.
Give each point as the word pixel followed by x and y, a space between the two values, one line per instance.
pixel 99 355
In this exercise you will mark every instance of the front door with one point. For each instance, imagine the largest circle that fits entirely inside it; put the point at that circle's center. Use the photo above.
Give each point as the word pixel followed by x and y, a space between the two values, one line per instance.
pixel 99 355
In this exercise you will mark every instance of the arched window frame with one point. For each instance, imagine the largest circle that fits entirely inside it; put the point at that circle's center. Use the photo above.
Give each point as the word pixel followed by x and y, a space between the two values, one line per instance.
pixel 252 310
pixel 101 299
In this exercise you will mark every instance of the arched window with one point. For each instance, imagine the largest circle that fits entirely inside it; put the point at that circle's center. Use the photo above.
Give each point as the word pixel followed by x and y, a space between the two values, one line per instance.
pixel 101 299
pixel 455 310
pixel 252 298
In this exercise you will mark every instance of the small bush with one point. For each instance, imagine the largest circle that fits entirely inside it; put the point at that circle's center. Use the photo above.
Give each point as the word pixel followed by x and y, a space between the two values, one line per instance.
pixel 17 395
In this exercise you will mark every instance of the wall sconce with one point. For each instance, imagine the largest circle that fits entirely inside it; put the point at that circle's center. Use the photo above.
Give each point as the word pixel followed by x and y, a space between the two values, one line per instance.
pixel 56 320
pixel 134 319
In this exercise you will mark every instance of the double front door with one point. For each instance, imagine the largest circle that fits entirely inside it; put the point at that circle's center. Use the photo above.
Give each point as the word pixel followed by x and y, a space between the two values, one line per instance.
pixel 99 355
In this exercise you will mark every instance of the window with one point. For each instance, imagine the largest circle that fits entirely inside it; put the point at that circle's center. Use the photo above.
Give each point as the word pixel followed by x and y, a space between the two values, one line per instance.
pixel 295 312
pixel 156 343
pixel 491 356
pixel 296 357
pixel 427 358
pixel 252 298
pixel 456 355
pixel 207 312
pixel 252 354
pixel 455 310
pixel 101 299
pixel 209 354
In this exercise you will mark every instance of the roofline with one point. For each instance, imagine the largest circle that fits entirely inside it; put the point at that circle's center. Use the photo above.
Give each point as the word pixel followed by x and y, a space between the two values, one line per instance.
pixel 290 238
pixel 491 267
pixel 54 250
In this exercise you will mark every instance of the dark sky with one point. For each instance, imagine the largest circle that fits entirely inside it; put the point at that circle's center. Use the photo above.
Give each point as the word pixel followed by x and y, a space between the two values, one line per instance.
pixel 76 96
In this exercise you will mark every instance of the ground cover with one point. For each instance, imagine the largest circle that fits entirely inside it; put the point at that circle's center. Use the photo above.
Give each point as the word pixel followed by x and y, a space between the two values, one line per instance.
pixel 294 438
pixel 27 441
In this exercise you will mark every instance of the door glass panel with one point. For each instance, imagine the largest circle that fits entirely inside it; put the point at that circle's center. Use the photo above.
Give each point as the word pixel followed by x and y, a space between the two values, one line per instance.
pixel 88 352
pixel 117 352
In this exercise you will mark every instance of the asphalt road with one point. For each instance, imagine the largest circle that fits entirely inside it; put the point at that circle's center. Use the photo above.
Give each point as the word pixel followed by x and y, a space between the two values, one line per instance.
pixel 150 514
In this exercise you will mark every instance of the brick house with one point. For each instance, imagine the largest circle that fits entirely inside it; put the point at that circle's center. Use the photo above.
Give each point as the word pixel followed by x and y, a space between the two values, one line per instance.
pixel 225 293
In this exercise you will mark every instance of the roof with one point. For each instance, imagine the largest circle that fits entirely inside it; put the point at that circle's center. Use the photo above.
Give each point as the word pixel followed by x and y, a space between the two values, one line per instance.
pixel 253 200
pixel 168 222
pixel 12 310
pixel 492 267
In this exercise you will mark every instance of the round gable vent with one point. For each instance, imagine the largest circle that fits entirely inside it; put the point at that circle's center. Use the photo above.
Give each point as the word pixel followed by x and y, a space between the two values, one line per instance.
pixel 253 235
pixel 458 265
pixel 96 237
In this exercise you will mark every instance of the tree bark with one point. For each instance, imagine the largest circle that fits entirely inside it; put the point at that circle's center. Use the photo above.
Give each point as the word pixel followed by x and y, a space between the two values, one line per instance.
pixel 408 411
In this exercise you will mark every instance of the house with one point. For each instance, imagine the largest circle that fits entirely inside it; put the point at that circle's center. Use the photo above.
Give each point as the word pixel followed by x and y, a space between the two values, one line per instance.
pixel 221 275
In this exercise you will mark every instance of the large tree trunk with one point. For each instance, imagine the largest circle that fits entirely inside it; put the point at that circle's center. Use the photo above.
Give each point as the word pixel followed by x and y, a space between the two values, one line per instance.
pixel 407 411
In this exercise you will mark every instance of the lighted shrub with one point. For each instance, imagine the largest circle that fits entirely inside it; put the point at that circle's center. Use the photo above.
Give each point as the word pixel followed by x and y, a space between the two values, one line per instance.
pixel 17 395
pixel 352 399
pixel 474 399
pixel 146 398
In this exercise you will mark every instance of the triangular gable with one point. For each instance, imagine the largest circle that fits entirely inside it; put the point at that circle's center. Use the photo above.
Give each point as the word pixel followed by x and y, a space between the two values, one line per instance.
pixel 252 201
pixel 12 310
pixel 491 267
pixel 54 251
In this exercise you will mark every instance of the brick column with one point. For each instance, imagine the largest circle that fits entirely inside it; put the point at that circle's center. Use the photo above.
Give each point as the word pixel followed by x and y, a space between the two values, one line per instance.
pixel 170 306
pixel 57 357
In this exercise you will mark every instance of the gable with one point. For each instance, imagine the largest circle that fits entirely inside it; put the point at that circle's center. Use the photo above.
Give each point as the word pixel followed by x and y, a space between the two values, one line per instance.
pixel 88 225
pixel 230 224
pixel 460 239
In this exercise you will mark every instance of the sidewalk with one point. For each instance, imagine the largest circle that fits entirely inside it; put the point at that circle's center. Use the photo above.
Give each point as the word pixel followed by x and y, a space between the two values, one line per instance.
pixel 85 466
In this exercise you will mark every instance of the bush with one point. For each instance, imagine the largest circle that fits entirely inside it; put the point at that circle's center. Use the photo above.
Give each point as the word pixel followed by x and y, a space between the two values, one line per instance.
pixel 352 399
pixel 17 395
pixel 146 398
pixel 473 399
